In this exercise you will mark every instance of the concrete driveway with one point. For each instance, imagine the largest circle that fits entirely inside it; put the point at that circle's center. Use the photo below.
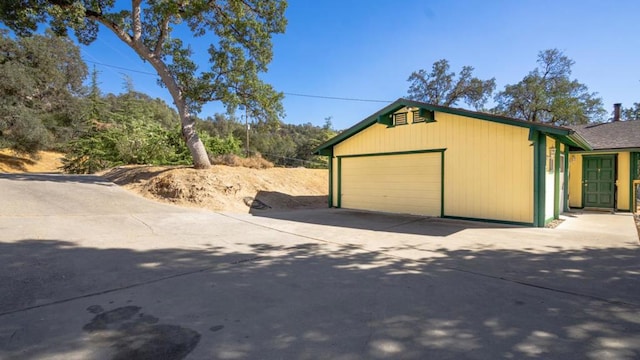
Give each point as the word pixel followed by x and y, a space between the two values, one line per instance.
pixel 89 271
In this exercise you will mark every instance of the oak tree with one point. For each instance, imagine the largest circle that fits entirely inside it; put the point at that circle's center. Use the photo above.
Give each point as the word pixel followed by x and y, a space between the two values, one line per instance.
pixel 239 33
pixel 441 87
pixel 549 95
pixel 631 113
pixel 40 91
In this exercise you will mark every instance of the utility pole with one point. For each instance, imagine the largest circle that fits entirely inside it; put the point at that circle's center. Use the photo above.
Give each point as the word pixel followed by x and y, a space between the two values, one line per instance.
pixel 246 125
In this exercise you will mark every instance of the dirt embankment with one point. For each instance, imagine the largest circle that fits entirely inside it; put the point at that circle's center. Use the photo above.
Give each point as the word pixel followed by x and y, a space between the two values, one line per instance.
pixel 226 188
pixel 221 188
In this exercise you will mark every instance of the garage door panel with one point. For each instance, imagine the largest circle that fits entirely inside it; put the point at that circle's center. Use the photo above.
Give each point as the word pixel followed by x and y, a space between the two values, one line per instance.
pixel 406 183
pixel 419 193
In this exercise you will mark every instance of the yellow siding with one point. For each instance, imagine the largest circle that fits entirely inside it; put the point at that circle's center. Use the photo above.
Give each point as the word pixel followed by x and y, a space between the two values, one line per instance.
pixel 623 180
pixel 408 183
pixel 575 180
pixel 488 171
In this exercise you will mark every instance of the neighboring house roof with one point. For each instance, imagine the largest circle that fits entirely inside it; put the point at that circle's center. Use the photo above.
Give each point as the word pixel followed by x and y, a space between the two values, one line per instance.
pixel 566 135
pixel 611 135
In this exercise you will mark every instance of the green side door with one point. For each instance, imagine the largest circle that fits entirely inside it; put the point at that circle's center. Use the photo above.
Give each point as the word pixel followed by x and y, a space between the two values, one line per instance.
pixel 599 177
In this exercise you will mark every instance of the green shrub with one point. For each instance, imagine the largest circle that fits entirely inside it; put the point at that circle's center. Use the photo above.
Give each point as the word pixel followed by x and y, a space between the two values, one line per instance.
pixel 134 143
pixel 220 146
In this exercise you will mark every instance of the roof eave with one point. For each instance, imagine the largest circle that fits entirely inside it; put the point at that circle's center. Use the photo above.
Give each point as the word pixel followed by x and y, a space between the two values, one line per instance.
pixel 576 140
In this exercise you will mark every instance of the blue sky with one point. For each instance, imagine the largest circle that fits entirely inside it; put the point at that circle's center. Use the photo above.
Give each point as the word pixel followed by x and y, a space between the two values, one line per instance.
pixel 367 49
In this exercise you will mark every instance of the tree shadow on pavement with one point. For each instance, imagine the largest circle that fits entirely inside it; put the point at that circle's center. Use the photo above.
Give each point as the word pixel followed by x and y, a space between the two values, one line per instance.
pixel 376 221
pixel 315 301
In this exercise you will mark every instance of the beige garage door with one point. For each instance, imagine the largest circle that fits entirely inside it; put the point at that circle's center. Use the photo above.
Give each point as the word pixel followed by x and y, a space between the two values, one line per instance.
pixel 407 184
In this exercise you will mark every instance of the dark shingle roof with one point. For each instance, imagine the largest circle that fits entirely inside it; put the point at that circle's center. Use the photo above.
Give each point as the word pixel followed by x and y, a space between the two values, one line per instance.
pixel 611 135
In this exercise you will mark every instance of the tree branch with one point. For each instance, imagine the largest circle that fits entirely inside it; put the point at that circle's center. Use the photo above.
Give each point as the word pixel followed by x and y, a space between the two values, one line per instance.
pixel 255 10
pixel 164 32
pixel 110 25
pixel 137 22
pixel 239 36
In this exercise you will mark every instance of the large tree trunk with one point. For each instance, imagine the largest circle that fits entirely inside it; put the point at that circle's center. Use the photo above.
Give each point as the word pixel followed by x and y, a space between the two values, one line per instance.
pixel 189 134
pixel 191 138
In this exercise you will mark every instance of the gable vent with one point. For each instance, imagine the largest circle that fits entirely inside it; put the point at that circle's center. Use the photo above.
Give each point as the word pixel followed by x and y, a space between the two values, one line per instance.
pixel 400 118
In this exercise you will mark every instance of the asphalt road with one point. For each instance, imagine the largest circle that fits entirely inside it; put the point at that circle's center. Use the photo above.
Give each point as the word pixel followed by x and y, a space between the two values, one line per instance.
pixel 89 271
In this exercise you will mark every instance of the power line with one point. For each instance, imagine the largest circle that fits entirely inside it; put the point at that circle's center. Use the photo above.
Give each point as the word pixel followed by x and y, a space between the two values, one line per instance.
pixel 286 93
pixel 336 98
pixel 122 68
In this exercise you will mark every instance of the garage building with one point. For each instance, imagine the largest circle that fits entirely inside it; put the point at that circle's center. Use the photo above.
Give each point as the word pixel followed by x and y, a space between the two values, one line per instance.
pixel 416 158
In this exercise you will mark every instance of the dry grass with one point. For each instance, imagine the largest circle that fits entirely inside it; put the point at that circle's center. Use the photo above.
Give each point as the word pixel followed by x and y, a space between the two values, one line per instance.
pixel 44 161
pixel 253 162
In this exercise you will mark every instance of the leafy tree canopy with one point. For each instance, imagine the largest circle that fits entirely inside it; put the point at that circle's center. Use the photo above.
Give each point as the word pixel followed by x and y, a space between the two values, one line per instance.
pixel 549 95
pixel 631 113
pixel 239 32
pixel 41 79
pixel 441 87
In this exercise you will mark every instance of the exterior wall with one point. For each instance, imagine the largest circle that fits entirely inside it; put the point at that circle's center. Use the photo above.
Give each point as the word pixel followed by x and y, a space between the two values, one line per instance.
pixel 575 180
pixel 623 196
pixel 622 181
pixel 488 167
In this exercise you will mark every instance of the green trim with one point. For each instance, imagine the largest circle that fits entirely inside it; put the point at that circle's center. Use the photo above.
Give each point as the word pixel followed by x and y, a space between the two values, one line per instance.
pixel 428 115
pixel 547 221
pixel 566 180
pixel 566 135
pixel 606 151
pixel 393 153
pixel 442 184
pixel 385 119
pixel 339 200
pixel 634 157
pixel 330 202
pixel 539 170
pixel 493 221
pixel 556 181
pixel 533 136
pixel 576 140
